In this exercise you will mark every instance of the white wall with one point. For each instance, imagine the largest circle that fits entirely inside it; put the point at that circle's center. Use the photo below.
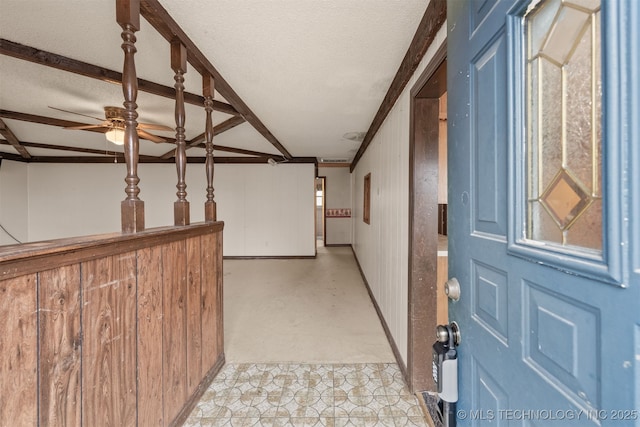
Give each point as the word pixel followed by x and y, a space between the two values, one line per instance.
pixel 382 246
pixel 268 211
pixel 13 201
pixel 338 195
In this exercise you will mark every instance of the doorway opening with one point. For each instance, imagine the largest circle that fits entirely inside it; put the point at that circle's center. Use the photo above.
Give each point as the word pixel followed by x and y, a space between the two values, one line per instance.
pixel 427 219
pixel 320 212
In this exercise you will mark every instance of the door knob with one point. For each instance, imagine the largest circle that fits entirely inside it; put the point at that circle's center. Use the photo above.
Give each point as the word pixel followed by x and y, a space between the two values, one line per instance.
pixel 452 289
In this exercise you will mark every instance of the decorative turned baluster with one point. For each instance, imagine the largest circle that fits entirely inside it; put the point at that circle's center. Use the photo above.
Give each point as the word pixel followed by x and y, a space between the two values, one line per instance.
pixel 179 66
pixel 210 214
pixel 132 208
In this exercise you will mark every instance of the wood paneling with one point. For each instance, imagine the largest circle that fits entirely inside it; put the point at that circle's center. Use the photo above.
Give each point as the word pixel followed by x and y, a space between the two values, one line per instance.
pixel 115 334
pixel 175 328
pixel 217 286
pixel 150 312
pixel 194 315
pixel 18 351
pixel 109 341
pixel 60 341
pixel 209 303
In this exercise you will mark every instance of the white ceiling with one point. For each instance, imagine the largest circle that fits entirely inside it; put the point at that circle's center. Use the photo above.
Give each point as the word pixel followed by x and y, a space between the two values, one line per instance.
pixel 313 71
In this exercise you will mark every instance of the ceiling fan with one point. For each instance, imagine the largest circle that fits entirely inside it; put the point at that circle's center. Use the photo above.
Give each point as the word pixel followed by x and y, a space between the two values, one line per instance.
pixel 114 125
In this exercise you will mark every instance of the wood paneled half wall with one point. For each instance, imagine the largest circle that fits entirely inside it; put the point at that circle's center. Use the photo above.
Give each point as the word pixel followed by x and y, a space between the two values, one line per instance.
pixel 118 329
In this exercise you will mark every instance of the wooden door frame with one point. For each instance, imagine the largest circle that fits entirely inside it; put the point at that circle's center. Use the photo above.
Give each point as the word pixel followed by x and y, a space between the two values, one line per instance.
pixel 423 220
pixel 323 179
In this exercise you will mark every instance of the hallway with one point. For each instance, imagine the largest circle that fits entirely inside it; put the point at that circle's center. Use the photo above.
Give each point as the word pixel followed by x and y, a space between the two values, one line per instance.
pixel 304 347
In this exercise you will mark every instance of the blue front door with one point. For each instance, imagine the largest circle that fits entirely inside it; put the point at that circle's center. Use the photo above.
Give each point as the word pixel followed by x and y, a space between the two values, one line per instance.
pixel 544 210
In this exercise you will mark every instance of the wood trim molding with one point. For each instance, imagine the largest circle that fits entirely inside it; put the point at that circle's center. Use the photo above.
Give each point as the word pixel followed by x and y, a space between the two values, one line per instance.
pixel 438 85
pixel 160 19
pixel 423 228
pixel 30 258
pixel 60 62
pixel 433 18
pixel 366 208
pixel 387 331
pixel 191 403
pixel 271 257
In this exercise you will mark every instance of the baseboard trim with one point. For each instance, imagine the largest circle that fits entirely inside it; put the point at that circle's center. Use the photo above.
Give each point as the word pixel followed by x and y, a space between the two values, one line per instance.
pixel 337 245
pixel 197 394
pixel 271 257
pixel 387 331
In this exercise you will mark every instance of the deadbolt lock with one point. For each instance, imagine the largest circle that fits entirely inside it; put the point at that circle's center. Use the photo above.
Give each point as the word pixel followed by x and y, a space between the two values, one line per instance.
pixel 449 333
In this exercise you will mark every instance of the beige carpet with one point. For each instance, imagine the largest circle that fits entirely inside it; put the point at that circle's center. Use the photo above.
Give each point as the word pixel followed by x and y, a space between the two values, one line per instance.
pixel 301 310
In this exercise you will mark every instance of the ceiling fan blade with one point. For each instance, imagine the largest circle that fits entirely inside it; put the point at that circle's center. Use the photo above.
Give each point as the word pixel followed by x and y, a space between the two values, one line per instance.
pixel 73 112
pixel 155 127
pixel 86 127
pixel 146 135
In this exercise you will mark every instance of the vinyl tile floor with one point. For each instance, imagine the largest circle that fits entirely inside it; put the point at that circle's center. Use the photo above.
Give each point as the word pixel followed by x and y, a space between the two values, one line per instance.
pixel 293 394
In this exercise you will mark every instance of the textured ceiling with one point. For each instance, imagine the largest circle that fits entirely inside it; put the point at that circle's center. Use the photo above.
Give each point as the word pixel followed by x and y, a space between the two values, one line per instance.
pixel 313 71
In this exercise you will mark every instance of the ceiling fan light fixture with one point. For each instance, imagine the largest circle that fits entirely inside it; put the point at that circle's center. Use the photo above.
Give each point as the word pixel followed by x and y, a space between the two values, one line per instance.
pixel 115 135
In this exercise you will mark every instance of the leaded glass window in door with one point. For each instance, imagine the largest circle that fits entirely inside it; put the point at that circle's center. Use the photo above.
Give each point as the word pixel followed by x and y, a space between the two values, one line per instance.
pixel 564 130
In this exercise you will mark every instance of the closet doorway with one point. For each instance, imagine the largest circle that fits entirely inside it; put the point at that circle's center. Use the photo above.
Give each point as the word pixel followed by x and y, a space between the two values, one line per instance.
pixel 320 186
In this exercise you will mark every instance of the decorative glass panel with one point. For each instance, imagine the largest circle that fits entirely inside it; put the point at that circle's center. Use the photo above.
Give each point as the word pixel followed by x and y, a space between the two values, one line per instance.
pixel 564 133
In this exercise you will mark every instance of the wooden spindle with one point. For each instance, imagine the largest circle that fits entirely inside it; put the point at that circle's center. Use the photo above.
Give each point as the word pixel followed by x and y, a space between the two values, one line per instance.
pixel 210 214
pixel 132 208
pixel 179 66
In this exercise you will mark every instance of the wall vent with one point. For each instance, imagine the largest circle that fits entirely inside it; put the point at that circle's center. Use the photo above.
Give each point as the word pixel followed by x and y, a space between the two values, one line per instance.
pixel 326 160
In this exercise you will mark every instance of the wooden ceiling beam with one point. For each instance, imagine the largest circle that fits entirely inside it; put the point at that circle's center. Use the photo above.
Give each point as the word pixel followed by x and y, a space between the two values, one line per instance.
pixel 258 160
pixel 63 63
pixel 11 156
pixel 195 142
pixel 160 19
pixel 227 125
pixel 119 158
pixel 110 154
pixel 13 140
pixel 218 129
pixel 242 151
pixel 43 120
pixel 64 148
pixel 433 18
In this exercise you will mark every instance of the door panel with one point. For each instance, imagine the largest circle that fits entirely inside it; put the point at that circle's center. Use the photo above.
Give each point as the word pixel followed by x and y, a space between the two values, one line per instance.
pixel 489 138
pixel 540 331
